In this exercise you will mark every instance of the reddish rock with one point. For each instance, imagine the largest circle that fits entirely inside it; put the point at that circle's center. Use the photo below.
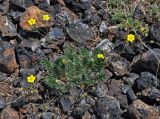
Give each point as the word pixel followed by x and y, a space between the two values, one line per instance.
pixel 9 113
pixel 140 110
pixel 87 115
pixel 8 62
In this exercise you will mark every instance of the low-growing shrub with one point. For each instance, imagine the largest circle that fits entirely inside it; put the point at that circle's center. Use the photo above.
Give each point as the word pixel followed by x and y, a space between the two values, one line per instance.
pixel 75 68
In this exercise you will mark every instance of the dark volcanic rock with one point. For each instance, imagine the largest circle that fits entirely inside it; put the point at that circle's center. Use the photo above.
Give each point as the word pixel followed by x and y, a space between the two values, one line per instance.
pixel 101 90
pixel 155 31
pixel 56 34
pixel 8 62
pixel 3 76
pixel 22 3
pixel 67 102
pixel 146 80
pixel 129 80
pixel 108 107
pixel 146 62
pixel 80 33
pixel 2 104
pixel 47 115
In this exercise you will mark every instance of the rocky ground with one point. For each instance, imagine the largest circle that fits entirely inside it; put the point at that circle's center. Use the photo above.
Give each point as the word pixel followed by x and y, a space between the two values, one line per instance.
pixel 132 86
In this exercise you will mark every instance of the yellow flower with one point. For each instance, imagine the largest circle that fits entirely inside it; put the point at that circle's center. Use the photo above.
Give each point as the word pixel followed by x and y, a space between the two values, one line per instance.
pixel 46 17
pixel 31 21
pixel 100 56
pixel 31 79
pixel 131 38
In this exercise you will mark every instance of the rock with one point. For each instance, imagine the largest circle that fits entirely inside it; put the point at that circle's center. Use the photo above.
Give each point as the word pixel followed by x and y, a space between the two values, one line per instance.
pixel 104 14
pixel 146 62
pixel 90 100
pixel 140 110
pixel 35 12
pixel 80 33
pixel 24 61
pixel 103 27
pixel 87 115
pixel 131 95
pixel 125 88
pixel 4 6
pixel 25 72
pixel 35 45
pixel 101 90
pixel 9 113
pixel 46 115
pixel 129 80
pixel 146 80
pixel 2 104
pixel 115 90
pixel 106 46
pixel 67 102
pixel 21 83
pixel 3 76
pixel 15 15
pixel 7 28
pixel 65 17
pixel 154 31
pixel 8 62
pixel 153 94
pixel 95 19
pixel 120 65
pixel 139 13
pixel 22 3
pixel 86 18
pixel 108 107
pixel 56 34
pixel 19 102
pixel 97 3
pixel 81 6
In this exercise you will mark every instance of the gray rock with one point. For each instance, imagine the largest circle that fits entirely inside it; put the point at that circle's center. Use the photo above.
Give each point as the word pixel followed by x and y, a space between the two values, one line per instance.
pixel 155 31
pixel 108 107
pixel 103 27
pixel 146 80
pixel 7 28
pixel 3 76
pixel 90 100
pixel 35 45
pixel 56 34
pixel 95 20
pixel 125 88
pixel 67 102
pixel 80 33
pixel 151 93
pixel 47 115
pixel 131 95
pixel 25 72
pixel 2 104
pixel 146 62
pixel 105 45
pixel 120 66
pixel 22 3
pixel 101 90
pixel 130 79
